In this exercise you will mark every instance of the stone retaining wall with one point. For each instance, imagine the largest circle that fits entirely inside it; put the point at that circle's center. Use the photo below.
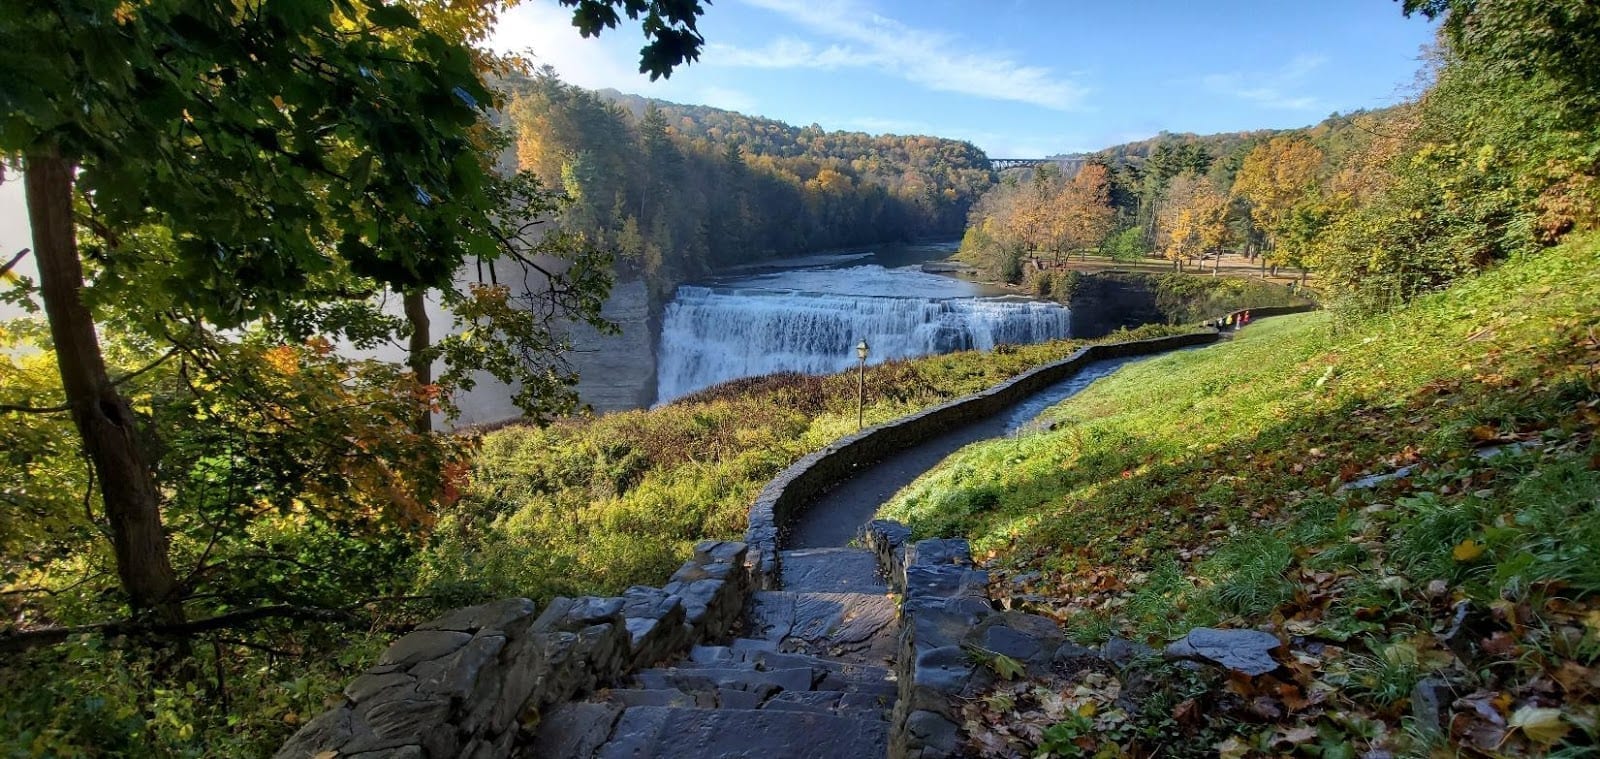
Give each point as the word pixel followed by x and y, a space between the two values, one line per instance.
pixel 945 598
pixel 463 684
pixel 787 495
pixel 951 635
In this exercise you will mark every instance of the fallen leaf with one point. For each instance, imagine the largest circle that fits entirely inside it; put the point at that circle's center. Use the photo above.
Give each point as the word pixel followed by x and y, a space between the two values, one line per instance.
pixel 1540 724
pixel 1291 697
pixel 1576 678
pixel 1500 645
pixel 1232 748
pixel 1467 550
pixel 1296 736
pixel 1006 666
pixel 1187 713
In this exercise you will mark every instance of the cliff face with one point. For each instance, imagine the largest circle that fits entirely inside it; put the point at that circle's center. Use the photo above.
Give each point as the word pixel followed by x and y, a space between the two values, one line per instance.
pixel 618 372
pixel 1106 301
pixel 1101 304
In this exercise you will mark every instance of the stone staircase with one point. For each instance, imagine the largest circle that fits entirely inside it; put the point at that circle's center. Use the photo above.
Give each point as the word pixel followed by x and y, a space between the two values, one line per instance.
pixel 808 678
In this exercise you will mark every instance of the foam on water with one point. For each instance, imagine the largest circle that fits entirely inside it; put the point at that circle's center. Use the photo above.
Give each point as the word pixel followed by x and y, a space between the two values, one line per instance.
pixel 810 321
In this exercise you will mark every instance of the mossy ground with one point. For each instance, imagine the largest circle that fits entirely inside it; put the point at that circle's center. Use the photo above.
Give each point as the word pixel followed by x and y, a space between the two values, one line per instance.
pixel 1204 488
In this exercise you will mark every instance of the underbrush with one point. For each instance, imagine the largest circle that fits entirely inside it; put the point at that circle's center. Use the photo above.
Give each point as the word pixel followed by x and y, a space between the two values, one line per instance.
pixel 1411 502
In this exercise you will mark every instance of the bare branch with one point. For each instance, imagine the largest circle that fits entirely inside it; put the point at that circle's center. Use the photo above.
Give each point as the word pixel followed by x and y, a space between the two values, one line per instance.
pixel 27 639
pixel 4 270
pixel 13 408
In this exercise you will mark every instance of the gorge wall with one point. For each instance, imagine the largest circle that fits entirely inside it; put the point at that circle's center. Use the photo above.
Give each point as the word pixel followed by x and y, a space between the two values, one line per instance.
pixel 618 372
pixel 1104 303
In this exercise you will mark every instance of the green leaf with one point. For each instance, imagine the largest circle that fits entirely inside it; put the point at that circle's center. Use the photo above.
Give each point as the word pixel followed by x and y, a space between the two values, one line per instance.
pixel 392 17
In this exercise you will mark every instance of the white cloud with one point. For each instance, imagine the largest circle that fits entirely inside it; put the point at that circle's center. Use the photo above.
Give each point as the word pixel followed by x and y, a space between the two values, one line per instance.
pixel 1272 90
pixel 785 53
pixel 937 61
pixel 544 32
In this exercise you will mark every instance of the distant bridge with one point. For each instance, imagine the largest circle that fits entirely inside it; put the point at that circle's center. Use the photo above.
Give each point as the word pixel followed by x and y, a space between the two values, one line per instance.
pixel 1072 163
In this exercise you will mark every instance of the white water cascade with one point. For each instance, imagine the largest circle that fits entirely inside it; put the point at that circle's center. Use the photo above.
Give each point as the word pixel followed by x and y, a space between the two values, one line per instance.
pixel 711 335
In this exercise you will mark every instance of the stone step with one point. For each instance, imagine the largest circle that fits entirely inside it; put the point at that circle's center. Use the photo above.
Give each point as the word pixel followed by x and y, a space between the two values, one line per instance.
pixel 739 677
pixel 663 697
pixel 647 732
pixel 863 705
pixel 853 627
pixel 831 570
pixel 761 659
pixel 753 644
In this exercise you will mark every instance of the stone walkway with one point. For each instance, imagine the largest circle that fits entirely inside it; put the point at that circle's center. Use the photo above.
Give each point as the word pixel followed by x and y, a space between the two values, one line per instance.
pixel 809 678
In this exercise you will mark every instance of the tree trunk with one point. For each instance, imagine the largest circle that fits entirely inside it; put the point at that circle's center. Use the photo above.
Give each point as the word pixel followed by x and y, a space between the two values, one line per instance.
pixel 104 420
pixel 421 364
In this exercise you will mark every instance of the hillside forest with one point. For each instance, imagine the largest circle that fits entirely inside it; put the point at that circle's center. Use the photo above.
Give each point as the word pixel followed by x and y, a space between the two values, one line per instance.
pixel 675 191
pixel 1492 159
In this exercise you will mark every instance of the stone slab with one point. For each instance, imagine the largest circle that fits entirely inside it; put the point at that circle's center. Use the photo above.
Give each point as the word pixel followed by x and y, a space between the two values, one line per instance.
pixel 664 733
pixel 832 570
pixel 573 730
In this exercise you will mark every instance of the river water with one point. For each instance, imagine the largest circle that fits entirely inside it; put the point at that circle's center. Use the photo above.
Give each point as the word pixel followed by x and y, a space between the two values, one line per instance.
pixel 808 314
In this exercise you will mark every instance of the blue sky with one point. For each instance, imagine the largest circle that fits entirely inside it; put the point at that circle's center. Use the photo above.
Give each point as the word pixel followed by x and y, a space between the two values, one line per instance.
pixel 1019 78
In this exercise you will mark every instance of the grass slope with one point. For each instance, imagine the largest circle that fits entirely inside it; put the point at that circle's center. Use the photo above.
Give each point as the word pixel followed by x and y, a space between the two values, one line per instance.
pixel 1204 488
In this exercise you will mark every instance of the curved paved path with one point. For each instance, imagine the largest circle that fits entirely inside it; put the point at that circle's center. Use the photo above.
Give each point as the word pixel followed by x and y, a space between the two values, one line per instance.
pixel 834 518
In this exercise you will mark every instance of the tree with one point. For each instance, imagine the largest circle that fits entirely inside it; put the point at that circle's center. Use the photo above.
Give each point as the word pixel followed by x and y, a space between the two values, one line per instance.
pixel 1559 39
pixel 214 122
pixel 1193 220
pixel 1085 207
pixel 1126 246
pixel 1274 178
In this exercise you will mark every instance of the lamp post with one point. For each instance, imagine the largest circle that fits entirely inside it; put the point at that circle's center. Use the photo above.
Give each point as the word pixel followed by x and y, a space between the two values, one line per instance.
pixel 861 384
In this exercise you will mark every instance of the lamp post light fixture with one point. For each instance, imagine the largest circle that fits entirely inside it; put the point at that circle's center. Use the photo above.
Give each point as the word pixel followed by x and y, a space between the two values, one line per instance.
pixel 861 383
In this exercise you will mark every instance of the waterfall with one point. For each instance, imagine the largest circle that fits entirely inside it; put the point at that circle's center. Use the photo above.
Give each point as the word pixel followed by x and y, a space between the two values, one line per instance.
pixel 711 335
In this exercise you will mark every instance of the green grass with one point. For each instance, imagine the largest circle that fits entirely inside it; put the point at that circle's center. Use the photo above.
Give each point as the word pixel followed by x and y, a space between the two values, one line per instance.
pixel 1203 488
pixel 595 505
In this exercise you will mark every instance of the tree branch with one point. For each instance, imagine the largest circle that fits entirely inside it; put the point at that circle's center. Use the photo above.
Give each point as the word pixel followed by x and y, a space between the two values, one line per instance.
pixel 15 408
pixel 27 639
pixel 4 270
pixel 22 408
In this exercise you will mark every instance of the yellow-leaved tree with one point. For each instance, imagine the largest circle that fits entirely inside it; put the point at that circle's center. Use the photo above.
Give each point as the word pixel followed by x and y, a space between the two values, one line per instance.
pixel 1193 220
pixel 1274 179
